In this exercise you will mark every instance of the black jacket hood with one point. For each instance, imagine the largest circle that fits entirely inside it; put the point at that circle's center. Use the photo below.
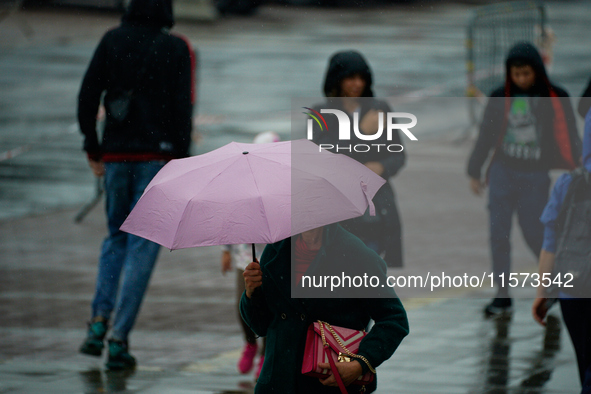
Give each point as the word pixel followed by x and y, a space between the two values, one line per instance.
pixel 342 65
pixel 525 53
pixel 149 13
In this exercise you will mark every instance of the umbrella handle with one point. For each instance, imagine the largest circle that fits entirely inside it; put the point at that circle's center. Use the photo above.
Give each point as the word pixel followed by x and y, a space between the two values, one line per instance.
pixel 254 253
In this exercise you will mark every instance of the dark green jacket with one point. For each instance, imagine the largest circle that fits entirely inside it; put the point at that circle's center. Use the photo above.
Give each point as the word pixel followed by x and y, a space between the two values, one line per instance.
pixel 271 312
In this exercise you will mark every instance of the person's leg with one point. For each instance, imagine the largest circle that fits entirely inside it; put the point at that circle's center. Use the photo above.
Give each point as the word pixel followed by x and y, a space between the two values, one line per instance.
pixel 140 258
pixel 139 264
pixel 246 361
pixel 113 249
pixel 262 358
pixel 502 203
pixel 577 318
pixel 533 189
pixel 111 258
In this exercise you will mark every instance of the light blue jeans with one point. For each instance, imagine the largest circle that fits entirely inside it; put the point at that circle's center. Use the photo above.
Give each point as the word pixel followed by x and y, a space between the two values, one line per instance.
pixel 126 261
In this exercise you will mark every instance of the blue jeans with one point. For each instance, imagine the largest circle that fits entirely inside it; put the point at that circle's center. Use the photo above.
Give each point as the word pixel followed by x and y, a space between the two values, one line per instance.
pixel 510 191
pixel 124 254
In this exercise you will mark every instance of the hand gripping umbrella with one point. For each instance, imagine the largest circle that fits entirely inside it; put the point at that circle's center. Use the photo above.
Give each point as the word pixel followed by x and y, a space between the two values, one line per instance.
pixel 251 193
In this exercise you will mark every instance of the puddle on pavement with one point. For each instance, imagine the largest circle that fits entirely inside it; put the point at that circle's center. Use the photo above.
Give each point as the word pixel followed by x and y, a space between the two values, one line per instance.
pixel 97 381
pixel 539 372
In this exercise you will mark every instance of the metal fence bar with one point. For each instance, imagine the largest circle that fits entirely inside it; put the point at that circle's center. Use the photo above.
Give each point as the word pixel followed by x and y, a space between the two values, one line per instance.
pixel 99 191
pixel 491 31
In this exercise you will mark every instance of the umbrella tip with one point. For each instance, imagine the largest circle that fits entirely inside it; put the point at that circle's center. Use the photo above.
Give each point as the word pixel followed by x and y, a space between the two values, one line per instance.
pixel 245 153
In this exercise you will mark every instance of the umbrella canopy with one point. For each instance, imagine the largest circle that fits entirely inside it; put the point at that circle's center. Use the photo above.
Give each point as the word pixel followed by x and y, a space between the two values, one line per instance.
pixel 251 193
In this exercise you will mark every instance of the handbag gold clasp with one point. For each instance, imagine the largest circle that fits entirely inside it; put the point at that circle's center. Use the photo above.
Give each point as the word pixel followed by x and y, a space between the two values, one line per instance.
pixel 343 358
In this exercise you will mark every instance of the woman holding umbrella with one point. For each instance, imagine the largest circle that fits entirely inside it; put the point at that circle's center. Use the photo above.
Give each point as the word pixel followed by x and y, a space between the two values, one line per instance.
pixel 269 193
pixel 348 88
pixel 268 308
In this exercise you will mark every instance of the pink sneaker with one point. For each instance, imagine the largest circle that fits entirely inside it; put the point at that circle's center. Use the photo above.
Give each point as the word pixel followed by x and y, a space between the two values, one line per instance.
pixel 246 362
pixel 261 362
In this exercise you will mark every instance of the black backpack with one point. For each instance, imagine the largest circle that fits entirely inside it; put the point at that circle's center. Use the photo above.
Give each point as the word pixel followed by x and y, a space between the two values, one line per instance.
pixel 573 238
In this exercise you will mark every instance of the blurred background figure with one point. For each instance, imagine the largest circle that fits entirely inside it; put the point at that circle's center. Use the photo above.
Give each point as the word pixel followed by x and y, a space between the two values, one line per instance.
pixel 240 256
pixel 529 126
pixel 348 87
pixel 567 247
pixel 266 137
pixel 146 76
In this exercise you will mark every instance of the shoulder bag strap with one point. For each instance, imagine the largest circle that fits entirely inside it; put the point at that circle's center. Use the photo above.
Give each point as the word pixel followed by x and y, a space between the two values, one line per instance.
pixel 333 366
pixel 335 371
pixel 565 212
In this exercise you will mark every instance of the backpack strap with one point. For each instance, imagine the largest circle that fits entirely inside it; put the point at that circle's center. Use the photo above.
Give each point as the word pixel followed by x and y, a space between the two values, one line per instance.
pixel 561 133
pixel 578 176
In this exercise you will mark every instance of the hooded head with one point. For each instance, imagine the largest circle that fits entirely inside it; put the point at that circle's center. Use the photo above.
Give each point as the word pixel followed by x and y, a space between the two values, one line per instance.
pixel 525 54
pixel 151 13
pixel 342 65
pixel 587 142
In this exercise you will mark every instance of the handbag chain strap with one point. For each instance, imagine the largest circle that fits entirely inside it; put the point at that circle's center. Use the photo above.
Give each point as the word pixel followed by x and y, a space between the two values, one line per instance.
pixel 338 339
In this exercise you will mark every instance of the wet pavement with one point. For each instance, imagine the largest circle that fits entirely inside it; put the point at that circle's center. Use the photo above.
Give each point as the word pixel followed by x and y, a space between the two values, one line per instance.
pixel 246 77
pixel 187 338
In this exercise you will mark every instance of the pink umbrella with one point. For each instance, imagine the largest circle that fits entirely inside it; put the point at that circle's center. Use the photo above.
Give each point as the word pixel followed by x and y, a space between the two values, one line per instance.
pixel 251 193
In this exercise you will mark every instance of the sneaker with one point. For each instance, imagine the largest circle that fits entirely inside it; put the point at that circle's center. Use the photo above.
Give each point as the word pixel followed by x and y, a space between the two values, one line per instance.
pixel 119 357
pixel 498 306
pixel 246 362
pixel 258 372
pixel 94 343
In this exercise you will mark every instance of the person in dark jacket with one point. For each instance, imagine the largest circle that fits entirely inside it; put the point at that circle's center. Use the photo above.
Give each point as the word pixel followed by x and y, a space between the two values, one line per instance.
pixel 268 308
pixel 348 87
pixel 529 125
pixel 146 76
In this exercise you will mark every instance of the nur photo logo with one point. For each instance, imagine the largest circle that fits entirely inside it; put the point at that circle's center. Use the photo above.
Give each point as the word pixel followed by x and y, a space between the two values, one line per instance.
pixel 344 130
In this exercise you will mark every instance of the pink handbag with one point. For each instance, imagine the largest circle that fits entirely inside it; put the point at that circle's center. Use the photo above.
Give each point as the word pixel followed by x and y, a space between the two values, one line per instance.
pixel 332 344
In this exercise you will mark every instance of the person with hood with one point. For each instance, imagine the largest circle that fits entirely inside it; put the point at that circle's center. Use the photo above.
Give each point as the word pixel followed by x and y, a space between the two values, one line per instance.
pixel 529 126
pixel 576 312
pixel 147 77
pixel 348 88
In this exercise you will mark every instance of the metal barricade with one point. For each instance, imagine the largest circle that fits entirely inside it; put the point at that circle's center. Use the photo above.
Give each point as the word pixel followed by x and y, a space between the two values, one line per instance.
pixel 492 30
pixel 99 191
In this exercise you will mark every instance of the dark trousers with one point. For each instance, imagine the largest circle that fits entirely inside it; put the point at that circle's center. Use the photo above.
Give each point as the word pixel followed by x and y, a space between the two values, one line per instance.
pixel 577 318
pixel 515 191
